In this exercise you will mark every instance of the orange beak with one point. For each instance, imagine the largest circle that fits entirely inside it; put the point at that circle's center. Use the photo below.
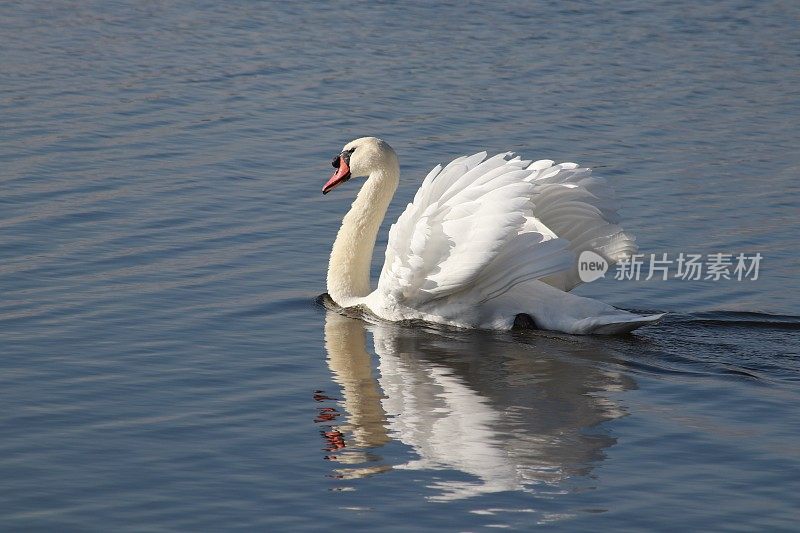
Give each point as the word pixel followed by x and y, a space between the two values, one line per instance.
pixel 340 175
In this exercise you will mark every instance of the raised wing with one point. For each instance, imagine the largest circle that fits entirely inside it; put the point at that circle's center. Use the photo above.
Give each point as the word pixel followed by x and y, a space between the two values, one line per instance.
pixel 581 208
pixel 470 227
pixel 485 225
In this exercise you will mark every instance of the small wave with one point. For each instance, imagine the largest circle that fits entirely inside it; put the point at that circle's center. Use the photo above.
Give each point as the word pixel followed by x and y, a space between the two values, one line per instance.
pixel 729 319
pixel 738 319
pixel 272 307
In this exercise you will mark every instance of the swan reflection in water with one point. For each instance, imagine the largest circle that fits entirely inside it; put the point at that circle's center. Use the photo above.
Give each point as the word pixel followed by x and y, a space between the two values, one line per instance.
pixel 516 412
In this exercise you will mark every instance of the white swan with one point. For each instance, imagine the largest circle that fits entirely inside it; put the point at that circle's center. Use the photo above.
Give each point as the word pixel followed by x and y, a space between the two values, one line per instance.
pixel 484 243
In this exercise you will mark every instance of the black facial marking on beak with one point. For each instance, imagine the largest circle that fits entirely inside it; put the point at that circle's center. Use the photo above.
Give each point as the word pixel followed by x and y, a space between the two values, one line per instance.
pixel 342 165
pixel 344 155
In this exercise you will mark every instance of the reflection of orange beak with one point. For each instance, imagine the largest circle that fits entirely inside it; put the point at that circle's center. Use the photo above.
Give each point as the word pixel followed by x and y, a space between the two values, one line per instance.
pixel 341 175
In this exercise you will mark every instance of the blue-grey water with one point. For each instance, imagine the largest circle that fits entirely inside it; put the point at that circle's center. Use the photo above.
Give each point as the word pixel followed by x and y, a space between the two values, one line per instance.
pixel 166 365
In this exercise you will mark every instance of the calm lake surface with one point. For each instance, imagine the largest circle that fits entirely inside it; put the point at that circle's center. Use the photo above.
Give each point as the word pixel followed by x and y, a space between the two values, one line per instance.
pixel 166 365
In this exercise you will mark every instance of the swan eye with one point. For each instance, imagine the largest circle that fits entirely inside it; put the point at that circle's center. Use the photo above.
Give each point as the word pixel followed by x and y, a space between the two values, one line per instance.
pixel 345 154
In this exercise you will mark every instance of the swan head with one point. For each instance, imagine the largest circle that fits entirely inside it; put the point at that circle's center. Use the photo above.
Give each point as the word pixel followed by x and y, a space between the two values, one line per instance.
pixel 360 158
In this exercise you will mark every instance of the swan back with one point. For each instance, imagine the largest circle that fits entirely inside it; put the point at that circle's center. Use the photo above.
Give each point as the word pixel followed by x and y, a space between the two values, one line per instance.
pixel 479 227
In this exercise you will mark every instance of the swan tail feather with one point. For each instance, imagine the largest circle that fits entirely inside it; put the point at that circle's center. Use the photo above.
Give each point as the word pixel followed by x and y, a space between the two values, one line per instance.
pixel 553 309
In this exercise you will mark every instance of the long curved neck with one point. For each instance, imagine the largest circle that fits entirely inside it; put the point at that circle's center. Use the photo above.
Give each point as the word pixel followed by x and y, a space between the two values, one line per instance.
pixel 348 269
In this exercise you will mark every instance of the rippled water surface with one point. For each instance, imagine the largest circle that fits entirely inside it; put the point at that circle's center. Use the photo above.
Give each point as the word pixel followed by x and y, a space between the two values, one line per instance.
pixel 166 364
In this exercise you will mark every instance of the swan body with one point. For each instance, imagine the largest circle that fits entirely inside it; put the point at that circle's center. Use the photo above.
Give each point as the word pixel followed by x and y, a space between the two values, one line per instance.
pixel 483 241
